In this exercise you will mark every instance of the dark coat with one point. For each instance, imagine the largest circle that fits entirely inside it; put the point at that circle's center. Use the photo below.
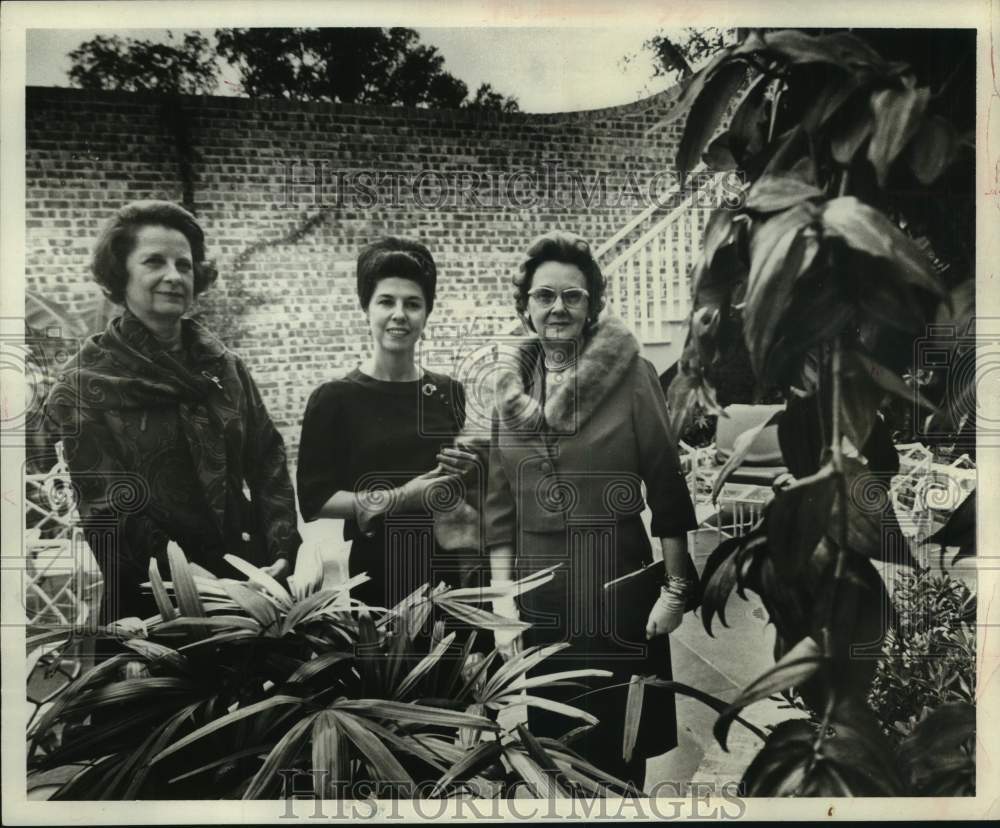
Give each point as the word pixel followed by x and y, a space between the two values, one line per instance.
pixel 164 448
pixel 566 486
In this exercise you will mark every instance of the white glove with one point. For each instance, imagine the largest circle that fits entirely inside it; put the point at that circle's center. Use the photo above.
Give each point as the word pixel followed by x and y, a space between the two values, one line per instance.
pixel 508 641
pixel 668 611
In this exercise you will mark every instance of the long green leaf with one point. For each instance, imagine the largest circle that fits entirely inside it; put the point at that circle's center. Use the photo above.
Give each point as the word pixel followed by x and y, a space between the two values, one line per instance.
pixel 519 665
pixel 780 250
pixel 187 593
pixel 317 665
pixel 164 735
pixel 898 115
pixel 888 380
pixel 404 743
pixel 152 651
pixel 479 617
pixel 488 753
pixel 225 721
pixel 542 785
pixel 256 750
pixel 253 604
pixel 870 231
pixel 414 713
pixel 259 576
pixel 707 113
pixel 330 762
pixel 772 193
pixel 525 683
pixel 505 702
pixel 282 755
pixel 305 610
pixel 423 666
pixel 375 754
pixel 633 713
pixel 167 611
pixel 130 690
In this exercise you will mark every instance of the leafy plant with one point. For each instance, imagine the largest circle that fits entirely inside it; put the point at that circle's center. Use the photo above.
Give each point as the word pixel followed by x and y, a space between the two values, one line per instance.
pixel 236 684
pixel 854 146
pixel 930 653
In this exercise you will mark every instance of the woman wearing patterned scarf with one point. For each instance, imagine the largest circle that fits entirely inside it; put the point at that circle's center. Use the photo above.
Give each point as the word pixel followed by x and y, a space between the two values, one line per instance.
pixel 165 433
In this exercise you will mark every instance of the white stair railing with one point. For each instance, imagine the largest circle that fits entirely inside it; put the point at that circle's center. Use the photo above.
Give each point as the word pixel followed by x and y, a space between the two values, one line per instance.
pixel 648 284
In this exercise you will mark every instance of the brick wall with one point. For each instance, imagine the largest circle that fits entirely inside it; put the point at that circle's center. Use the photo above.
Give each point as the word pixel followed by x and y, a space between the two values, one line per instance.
pixel 288 193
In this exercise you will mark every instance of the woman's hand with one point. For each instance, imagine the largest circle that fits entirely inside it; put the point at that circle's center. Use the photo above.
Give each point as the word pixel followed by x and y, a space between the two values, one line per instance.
pixel 666 614
pixel 508 642
pixel 416 492
pixel 279 569
pixel 458 461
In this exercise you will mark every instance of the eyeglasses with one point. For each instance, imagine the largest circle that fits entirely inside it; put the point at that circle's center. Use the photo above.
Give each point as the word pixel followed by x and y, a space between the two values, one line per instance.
pixel 572 298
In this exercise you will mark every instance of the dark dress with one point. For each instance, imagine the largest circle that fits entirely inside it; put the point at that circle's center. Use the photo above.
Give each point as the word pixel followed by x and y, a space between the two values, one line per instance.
pixel 360 433
pixel 164 447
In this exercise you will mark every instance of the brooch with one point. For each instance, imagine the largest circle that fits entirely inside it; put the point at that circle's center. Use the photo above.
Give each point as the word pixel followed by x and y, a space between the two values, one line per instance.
pixel 429 389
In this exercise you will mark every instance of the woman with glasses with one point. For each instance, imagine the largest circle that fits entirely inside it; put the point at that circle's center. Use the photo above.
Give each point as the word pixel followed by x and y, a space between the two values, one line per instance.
pixel 581 426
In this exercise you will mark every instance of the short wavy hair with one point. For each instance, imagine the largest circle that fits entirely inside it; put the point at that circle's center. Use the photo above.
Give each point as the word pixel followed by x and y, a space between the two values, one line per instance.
pixel 568 248
pixel 392 256
pixel 117 241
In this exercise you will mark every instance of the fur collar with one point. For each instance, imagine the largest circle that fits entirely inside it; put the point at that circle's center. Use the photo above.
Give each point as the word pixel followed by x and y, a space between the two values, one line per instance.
pixel 600 367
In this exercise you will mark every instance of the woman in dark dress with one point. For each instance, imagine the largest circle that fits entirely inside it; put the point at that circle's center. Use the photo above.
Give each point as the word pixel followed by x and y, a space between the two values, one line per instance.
pixel 165 433
pixel 581 426
pixel 376 442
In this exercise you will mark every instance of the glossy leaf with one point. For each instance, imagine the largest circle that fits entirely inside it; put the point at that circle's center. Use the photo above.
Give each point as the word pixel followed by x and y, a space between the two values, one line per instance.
pixel 869 231
pixel 414 713
pixel 423 666
pixel 259 576
pixel 691 89
pixel 932 149
pixel 330 761
pixel 188 599
pixel 281 756
pixel 167 611
pixel 317 665
pixel 746 129
pixel 488 753
pixel 779 252
pixel 798 518
pixel 847 136
pixel 541 758
pixel 633 714
pixel 375 754
pixel 840 49
pixel 506 702
pixel 706 114
pixel 898 115
pixel 773 193
pixel 224 721
pixel 540 784
pixel 253 604
pixel 960 528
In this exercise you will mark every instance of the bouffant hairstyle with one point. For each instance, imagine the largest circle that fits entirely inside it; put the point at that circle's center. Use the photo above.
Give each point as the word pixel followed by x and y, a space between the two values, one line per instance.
pixel 567 248
pixel 396 257
pixel 117 240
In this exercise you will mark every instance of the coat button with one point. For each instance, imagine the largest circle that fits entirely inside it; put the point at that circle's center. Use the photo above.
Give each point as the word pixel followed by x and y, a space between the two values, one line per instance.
pixel 245 536
pixel 546 467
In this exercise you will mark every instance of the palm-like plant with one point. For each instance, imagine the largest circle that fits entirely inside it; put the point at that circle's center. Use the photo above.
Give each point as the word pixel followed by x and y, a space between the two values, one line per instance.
pixel 234 685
